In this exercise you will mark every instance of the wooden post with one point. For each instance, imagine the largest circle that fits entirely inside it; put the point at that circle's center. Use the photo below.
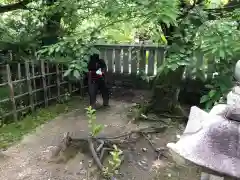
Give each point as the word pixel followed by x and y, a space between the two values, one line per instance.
pixel 48 80
pixel 126 60
pixel 44 83
pixel 34 80
pixel 160 56
pixel 9 77
pixel 109 56
pixel 62 72
pixel 19 78
pixel 70 87
pixel 81 87
pixel 151 62
pixel 58 80
pixel 134 61
pixel 29 84
pixel 142 63
pixel 117 60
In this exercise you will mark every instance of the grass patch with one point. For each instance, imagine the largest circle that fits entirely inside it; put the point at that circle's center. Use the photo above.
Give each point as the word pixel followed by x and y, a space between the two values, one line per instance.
pixel 11 133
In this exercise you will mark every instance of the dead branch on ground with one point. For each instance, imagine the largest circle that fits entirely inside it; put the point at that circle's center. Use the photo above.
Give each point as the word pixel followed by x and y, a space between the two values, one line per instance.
pixel 99 147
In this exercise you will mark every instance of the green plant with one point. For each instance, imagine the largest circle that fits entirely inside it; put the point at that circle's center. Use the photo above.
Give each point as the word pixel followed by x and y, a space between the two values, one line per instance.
pixel 95 129
pixel 217 91
pixel 221 47
pixel 114 162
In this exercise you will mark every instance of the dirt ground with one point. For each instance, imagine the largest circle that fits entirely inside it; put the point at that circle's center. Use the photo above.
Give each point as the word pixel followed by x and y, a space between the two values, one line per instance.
pixel 30 159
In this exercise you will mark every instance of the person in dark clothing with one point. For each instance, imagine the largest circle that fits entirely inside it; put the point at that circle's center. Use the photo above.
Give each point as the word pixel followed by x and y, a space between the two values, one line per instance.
pixel 96 80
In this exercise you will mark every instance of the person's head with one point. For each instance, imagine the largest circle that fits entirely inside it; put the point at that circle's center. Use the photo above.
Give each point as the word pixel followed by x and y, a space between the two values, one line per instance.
pixel 237 71
pixel 94 57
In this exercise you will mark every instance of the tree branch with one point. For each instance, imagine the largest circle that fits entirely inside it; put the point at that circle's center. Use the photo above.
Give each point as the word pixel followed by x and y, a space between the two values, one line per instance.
pixel 11 7
pixel 228 7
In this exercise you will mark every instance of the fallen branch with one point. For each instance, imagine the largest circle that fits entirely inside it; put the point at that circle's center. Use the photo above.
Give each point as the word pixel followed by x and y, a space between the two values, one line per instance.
pixel 94 154
pixel 147 118
pixel 172 116
pixel 150 142
pixel 147 130
pixel 98 147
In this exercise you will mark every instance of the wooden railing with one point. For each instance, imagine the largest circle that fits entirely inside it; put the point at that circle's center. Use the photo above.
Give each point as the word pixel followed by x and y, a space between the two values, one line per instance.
pixel 135 58
pixel 132 59
pixel 25 86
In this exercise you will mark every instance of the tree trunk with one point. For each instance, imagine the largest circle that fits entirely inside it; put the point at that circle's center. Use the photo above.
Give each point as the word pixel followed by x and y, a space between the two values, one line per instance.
pixel 165 92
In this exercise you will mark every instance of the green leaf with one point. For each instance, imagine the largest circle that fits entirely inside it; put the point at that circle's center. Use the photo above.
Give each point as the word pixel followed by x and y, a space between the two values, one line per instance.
pixel 97 129
pixel 204 99
pixel 76 74
pixel 163 38
pixel 209 86
pixel 173 67
pixel 212 93
pixel 209 105
pixel 67 72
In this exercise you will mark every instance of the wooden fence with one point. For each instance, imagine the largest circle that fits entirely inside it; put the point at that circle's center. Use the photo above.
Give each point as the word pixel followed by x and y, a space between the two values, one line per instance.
pixel 23 87
pixel 132 59
pixel 145 59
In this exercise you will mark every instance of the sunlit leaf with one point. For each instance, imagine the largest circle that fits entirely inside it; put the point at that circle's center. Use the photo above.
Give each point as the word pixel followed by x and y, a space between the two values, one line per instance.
pixel 67 72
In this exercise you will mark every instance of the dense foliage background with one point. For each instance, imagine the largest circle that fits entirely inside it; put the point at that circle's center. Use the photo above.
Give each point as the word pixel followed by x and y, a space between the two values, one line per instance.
pixel 66 30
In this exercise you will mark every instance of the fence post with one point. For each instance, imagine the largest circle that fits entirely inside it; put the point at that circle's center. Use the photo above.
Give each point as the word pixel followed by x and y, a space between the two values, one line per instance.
pixel 117 59
pixel 151 62
pixel 160 56
pixel 9 77
pixel 34 80
pixel 19 78
pixel 48 80
pixel 29 84
pixel 44 83
pixel 70 87
pixel 142 62
pixel 109 56
pixel 82 87
pixel 58 80
pixel 126 62
pixel 134 60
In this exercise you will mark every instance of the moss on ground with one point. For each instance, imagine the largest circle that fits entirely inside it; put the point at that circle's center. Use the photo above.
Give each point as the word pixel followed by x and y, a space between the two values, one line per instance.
pixel 12 133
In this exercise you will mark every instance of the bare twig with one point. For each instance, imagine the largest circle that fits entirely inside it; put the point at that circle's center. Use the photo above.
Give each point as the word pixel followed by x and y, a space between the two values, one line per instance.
pixel 94 154
pixel 150 142
pixel 100 146
pixel 171 116
pixel 151 119
pixel 141 130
